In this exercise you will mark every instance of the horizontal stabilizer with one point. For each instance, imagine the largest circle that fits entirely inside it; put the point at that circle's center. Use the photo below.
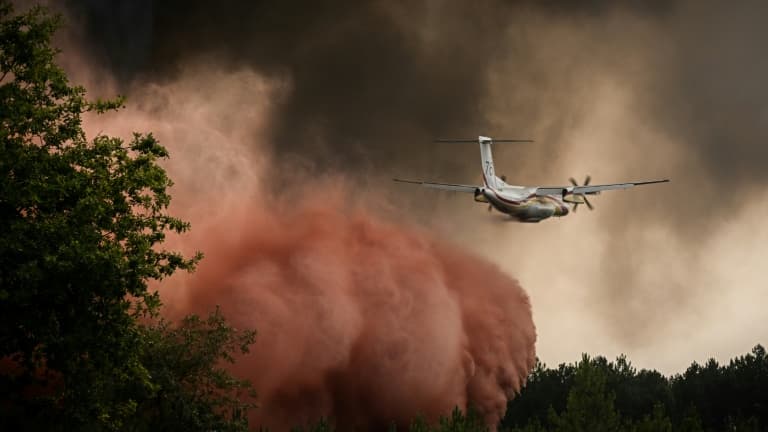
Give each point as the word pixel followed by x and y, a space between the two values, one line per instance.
pixel 485 140
pixel 444 186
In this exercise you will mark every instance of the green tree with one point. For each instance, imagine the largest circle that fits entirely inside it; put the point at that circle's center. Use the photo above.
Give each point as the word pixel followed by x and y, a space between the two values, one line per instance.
pixel 657 421
pixel 457 421
pixel 460 422
pixel 691 422
pixel 590 406
pixel 637 393
pixel 544 389
pixel 705 390
pixel 706 397
pixel 747 376
pixel 82 222
pixel 191 390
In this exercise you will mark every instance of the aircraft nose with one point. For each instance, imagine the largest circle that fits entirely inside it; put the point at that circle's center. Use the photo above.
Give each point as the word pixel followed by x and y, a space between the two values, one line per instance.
pixel 562 210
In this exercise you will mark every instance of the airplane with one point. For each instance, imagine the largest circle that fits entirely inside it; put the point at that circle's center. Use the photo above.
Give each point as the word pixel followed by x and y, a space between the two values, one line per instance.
pixel 524 203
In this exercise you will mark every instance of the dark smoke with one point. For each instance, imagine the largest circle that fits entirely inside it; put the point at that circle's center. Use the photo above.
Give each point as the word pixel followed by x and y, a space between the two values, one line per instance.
pixel 715 97
pixel 374 81
pixel 367 77
pixel 371 81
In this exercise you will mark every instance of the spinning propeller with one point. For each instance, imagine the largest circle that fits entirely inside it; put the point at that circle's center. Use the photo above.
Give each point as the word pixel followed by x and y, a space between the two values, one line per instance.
pixel 580 198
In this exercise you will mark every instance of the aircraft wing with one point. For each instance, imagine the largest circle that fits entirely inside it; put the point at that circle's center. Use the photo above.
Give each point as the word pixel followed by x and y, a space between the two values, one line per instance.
pixel 592 189
pixel 443 186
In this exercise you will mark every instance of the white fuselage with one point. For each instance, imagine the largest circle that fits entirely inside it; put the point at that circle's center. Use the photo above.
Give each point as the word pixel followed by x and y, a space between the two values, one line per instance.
pixel 519 202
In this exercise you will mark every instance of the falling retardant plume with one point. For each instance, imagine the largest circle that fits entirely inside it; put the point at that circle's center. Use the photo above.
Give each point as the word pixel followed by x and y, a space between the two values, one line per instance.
pixel 360 320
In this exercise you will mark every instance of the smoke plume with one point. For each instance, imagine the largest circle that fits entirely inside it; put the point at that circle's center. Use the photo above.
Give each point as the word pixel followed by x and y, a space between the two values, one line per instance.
pixel 624 90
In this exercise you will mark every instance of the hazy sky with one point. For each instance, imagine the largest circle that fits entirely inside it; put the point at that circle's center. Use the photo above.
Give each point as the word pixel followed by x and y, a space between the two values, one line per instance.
pixel 620 90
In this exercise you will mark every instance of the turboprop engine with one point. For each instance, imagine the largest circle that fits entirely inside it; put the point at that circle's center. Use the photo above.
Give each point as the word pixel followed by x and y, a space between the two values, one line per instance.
pixel 480 195
pixel 576 199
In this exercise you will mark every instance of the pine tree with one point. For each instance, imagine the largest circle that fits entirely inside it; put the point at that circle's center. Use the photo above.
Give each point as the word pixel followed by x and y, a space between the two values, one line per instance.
pixel 590 406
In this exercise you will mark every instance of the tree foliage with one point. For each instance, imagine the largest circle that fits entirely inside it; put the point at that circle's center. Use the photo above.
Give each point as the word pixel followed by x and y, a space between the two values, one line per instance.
pixel 457 421
pixel 590 405
pixel 190 388
pixel 603 395
pixel 83 223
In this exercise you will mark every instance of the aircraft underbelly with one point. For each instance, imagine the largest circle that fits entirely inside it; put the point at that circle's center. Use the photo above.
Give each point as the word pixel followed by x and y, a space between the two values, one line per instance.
pixel 526 210
pixel 533 212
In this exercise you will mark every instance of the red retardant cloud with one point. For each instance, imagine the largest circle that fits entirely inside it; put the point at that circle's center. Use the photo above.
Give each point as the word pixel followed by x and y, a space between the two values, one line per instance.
pixel 360 320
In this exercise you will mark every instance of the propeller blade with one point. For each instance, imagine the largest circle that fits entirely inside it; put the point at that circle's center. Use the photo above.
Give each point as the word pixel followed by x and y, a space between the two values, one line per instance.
pixel 582 196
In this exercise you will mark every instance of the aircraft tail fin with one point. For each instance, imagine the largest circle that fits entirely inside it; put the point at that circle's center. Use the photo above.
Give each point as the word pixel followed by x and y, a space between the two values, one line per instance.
pixel 486 156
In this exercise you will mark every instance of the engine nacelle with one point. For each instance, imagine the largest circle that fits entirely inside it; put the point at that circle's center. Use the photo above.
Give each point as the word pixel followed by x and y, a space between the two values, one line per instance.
pixel 573 199
pixel 480 196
